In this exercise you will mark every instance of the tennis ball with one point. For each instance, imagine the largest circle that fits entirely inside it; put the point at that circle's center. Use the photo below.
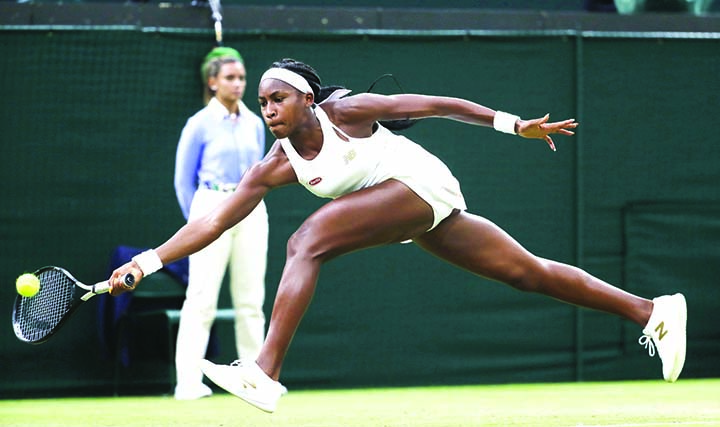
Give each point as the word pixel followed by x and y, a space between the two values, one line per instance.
pixel 27 285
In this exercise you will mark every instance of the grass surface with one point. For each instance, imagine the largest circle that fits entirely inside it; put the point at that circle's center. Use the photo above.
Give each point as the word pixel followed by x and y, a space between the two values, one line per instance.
pixel 619 404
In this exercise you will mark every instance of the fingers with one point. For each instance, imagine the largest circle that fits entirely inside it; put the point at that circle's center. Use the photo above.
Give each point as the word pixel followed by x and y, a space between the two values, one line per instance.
pixel 119 282
pixel 116 290
pixel 550 143
pixel 562 127
pixel 117 287
pixel 128 281
pixel 540 128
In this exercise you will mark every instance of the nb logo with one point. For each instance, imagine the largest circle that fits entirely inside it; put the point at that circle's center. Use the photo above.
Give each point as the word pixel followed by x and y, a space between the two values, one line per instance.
pixel 349 156
pixel 660 329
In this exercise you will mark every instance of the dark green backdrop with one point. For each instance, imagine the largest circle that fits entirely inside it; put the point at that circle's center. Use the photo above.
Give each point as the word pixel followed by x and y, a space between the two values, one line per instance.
pixel 90 120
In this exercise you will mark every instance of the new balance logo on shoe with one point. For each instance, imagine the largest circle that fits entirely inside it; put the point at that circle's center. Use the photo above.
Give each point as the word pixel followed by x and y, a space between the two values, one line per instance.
pixel 660 329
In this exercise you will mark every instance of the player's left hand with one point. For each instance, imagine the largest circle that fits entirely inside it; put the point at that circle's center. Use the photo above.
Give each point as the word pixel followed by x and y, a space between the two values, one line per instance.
pixel 541 129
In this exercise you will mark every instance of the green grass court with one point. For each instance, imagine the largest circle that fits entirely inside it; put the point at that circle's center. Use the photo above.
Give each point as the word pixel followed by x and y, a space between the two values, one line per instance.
pixel 618 404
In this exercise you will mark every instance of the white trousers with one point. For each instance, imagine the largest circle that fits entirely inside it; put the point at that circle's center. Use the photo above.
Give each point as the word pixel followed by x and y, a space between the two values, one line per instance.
pixel 243 249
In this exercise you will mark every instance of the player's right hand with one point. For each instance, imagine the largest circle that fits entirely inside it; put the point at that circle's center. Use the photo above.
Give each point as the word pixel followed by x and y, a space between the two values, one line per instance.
pixel 117 279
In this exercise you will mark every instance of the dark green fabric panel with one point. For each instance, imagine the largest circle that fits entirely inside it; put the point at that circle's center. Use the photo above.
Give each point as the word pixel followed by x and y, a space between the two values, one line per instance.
pixel 649 114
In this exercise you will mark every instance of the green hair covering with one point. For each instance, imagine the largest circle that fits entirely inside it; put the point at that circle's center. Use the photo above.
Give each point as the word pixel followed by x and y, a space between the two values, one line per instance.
pixel 218 52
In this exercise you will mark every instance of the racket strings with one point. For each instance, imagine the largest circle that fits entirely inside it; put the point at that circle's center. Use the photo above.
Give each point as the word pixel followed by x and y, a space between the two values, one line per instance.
pixel 38 316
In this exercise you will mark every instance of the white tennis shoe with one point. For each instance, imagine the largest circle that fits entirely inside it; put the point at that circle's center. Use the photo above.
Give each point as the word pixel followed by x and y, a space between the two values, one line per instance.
pixel 666 329
pixel 247 381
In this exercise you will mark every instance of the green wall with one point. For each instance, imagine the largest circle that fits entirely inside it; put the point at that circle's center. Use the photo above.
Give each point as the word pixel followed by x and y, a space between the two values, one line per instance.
pixel 90 121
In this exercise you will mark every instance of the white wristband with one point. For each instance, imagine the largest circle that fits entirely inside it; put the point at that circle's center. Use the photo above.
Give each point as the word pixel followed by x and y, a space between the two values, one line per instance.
pixel 148 261
pixel 505 122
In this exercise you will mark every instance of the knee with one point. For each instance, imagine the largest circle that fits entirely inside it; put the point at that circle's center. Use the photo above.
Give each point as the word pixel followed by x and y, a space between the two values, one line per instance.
pixel 530 278
pixel 307 242
pixel 544 274
pixel 523 282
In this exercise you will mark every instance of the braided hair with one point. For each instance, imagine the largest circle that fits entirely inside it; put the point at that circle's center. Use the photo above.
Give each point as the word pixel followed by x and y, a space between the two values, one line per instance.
pixel 321 92
pixel 305 71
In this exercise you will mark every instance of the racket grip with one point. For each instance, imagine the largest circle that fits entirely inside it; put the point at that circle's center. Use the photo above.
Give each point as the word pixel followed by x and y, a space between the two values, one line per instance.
pixel 129 280
pixel 104 287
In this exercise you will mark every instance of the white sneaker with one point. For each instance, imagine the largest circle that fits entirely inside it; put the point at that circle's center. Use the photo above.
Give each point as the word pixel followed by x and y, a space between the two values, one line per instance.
pixel 193 392
pixel 666 328
pixel 247 381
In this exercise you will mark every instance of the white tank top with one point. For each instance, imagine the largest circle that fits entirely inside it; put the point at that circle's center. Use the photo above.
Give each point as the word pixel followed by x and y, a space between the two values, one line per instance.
pixel 342 167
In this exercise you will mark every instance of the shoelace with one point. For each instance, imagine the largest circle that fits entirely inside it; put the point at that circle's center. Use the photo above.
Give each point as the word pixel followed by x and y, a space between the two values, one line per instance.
pixel 647 342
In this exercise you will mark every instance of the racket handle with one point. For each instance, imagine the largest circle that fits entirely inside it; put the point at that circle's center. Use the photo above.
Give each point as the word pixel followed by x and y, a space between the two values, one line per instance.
pixel 104 287
pixel 129 280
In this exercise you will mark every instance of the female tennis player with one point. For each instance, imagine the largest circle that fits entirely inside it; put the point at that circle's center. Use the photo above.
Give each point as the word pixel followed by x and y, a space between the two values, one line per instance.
pixel 385 189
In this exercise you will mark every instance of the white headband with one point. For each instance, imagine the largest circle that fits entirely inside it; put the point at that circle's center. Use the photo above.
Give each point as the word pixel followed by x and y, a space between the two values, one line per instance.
pixel 293 79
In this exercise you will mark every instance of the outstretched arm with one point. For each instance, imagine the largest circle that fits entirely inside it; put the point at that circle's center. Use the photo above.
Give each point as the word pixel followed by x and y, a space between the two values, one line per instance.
pixel 273 171
pixel 356 114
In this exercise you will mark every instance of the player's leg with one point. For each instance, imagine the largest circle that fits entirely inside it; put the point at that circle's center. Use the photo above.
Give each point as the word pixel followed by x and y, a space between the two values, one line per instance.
pixel 478 245
pixel 382 214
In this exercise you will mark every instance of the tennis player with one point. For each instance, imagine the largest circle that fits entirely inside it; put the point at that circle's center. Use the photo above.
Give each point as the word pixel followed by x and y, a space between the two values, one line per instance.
pixel 386 189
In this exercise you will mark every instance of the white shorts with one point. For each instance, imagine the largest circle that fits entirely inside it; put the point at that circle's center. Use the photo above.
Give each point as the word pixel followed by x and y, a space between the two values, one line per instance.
pixel 427 176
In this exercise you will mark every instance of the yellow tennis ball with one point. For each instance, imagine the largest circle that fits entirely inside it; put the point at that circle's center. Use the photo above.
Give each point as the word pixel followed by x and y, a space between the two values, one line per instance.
pixel 27 285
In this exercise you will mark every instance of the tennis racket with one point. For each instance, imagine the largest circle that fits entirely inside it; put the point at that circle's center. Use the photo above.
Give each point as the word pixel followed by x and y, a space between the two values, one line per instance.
pixel 217 17
pixel 35 319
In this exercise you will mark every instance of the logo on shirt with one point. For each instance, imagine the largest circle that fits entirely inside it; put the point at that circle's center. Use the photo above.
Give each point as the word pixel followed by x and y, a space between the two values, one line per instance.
pixel 349 156
pixel 315 181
